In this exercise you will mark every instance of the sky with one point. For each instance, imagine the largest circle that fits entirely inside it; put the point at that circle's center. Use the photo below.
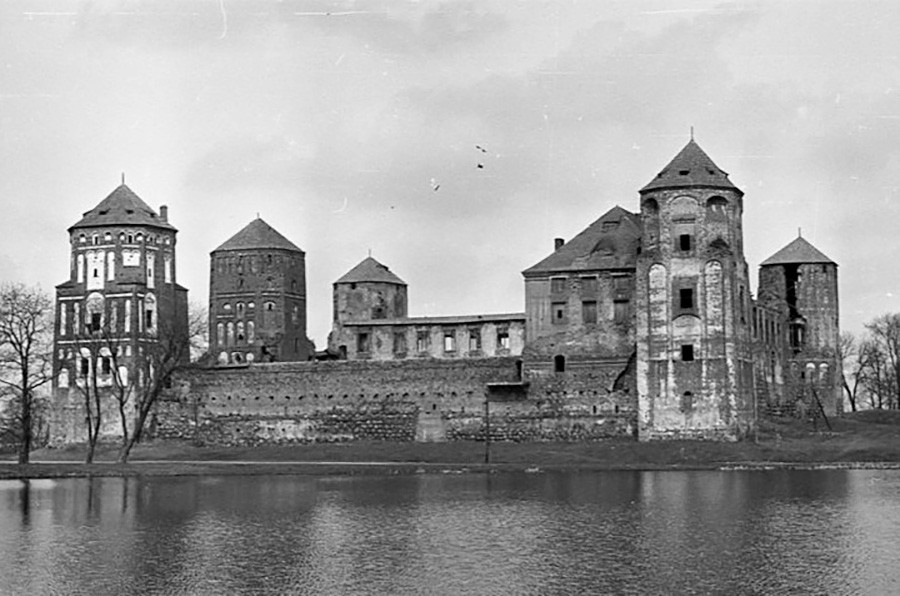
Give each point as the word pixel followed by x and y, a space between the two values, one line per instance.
pixel 355 127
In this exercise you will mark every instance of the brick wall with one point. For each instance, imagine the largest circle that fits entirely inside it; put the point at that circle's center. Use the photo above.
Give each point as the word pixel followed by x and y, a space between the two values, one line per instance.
pixel 430 400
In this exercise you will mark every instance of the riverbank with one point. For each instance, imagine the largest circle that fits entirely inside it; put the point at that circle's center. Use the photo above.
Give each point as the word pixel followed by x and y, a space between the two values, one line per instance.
pixel 866 439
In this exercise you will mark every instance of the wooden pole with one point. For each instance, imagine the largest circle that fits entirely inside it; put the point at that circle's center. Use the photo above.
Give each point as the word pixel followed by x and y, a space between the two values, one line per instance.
pixel 487 428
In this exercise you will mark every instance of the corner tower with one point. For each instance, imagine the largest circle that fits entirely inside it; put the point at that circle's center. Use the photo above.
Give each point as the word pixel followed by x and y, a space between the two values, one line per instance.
pixel 800 284
pixel 694 373
pixel 368 292
pixel 257 298
pixel 120 299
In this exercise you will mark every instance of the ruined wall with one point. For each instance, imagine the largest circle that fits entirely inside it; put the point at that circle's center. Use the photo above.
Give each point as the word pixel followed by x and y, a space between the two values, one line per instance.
pixel 432 400
pixel 441 337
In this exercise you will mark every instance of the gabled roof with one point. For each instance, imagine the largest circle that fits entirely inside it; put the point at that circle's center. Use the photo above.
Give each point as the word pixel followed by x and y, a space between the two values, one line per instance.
pixel 609 243
pixel 799 251
pixel 691 167
pixel 121 207
pixel 257 234
pixel 370 270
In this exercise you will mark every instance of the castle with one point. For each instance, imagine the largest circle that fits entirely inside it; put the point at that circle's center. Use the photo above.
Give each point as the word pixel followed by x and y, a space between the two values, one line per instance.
pixel 641 325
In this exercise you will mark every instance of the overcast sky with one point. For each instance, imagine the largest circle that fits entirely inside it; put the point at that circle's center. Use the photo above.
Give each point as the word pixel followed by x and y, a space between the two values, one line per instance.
pixel 336 122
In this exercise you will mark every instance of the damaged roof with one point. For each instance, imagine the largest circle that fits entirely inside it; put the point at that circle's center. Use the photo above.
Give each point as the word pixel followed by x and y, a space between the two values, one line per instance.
pixel 611 242
pixel 691 167
pixel 255 235
pixel 799 251
pixel 121 207
pixel 370 270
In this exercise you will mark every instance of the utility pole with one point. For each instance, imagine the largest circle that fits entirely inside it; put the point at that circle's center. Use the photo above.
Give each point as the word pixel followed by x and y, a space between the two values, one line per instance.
pixel 487 427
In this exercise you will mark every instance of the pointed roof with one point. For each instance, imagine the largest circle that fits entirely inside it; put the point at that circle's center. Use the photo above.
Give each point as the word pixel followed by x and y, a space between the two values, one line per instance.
pixel 691 167
pixel 370 270
pixel 121 207
pixel 255 235
pixel 611 242
pixel 798 251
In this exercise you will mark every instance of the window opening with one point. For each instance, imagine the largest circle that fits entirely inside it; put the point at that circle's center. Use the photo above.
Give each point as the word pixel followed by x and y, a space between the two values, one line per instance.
pixel 687 352
pixel 686 298
pixel 559 363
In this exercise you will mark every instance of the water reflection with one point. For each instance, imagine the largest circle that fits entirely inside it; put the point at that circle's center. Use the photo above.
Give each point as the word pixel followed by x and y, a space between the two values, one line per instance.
pixel 622 532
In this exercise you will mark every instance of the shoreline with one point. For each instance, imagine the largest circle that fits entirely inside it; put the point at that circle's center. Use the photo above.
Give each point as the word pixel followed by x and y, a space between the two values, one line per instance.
pixel 168 468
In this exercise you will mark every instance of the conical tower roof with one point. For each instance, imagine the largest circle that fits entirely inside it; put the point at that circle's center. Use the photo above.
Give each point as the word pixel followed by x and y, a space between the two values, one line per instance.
pixel 121 207
pixel 799 251
pixel 255 235
pixel 691 167
pixel 370 270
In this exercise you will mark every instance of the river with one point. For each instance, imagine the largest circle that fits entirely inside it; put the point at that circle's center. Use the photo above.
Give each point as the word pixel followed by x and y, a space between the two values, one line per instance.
pixel 738 532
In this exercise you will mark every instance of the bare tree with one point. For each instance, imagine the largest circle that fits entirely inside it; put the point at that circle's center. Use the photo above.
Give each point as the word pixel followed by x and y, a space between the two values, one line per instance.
pixel 851 363
pixel 26 351
pixel 155 366
pixel 885 335
pixel 91 385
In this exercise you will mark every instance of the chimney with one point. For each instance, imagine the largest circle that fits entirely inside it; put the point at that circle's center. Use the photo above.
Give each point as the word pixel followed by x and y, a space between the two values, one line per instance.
pixel 164 213
pixel 558 243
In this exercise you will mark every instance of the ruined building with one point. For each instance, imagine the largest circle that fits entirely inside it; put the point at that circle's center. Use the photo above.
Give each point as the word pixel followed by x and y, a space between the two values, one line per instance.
pixel 643 325
pixel 257 298
pixel 121 298
pixel 371 322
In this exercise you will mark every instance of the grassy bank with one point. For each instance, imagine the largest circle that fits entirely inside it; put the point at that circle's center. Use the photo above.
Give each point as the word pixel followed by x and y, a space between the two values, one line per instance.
pixel 858 438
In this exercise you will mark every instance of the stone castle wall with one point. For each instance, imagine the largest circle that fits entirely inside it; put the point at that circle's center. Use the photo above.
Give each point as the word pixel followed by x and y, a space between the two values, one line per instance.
pixel 430 400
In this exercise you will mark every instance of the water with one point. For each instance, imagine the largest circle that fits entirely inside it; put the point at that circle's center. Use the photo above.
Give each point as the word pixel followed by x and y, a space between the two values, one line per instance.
pixel 820 532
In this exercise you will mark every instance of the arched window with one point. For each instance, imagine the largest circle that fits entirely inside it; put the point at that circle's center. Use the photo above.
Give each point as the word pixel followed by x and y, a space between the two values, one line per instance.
pixel 79 269
pixel 107 237
pixel 240 331
pixel 150 314
pixel 111 266
pixel 559 363
pixel 220 334
pixel 240 309
pixel 94 307
pixel 226 307
pixel 251 331
pixel 717 209
pixel 230 328
pixel 82 239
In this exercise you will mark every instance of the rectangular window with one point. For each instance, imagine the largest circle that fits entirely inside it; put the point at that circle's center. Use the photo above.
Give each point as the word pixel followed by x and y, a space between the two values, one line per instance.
pixel 620 311
pixel 474 340
pixel 85 367
pixel 589 285
pixel 558 312
pixel 589 312
pixel 362 342
pixel 687 352
pixel 449 341
pixel 503 338
pixel 95 322
pixel 557 285
pixel 106 365
pixel 421 341
pixel 399 342
pixel 684 242
pixel 686 298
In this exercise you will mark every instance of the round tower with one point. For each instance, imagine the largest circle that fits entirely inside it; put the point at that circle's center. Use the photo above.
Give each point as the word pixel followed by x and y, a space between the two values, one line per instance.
pixel 694 365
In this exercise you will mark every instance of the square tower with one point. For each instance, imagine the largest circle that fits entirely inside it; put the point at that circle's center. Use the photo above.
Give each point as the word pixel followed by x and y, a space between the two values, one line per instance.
pixel 257 298
pixel 120 303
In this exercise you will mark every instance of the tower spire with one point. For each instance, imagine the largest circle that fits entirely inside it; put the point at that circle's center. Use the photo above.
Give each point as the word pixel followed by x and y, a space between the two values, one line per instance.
pixel 692 133
pixel 123 177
